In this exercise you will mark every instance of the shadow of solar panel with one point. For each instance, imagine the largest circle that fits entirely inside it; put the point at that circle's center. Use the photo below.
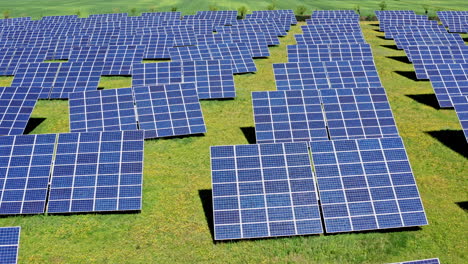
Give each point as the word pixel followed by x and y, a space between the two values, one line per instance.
pixel 422 261
pixel 169 110
pixel 97 171
pixel 58 79
pixel 461 108
pixel 288 116
pixel 105 110
pixel 264 190
pixel 25 162
pixel 358 113
pixel 366 184
pixel 447 80
pixel 329 52
pixel 9 244
pixel 16 106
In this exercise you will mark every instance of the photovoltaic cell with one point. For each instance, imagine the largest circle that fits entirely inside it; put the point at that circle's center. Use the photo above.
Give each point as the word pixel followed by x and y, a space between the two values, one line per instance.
pixel 366 184
pixel 358 113
pixel 169 110
pixel 447 80
pixel 264 190
pixel 9 244
pixel 105 110
pixel 460 104
pixel 16 106
pixel 25 164
pixel 97 171
pixel 288 116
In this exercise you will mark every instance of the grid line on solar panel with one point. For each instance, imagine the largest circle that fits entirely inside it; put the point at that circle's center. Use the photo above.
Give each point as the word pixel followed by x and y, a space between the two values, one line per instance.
pixel 213 78
pixel 25 162
pixel 447 80
pixel 288 116
pixel 357 113
pixel 58 79
pixel 329 52
pixel 422 261
pixel 105 110
pixel 366 184
pixel 460 103
pixel 264 190
pixel 238 53
pixel 16 106
pixel 169 110
pixel 329 38
pixel 9 244
pixel 424 57
pixel 97 171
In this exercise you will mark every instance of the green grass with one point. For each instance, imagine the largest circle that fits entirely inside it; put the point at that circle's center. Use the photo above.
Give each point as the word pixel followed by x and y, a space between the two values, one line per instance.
pixel 39 8
pixel 172 227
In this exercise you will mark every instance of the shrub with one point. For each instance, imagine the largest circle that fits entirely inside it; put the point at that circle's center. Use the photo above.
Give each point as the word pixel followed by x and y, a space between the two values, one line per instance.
pixel 213 8
pixel 383 5
pixel 242 11
pixel 301 10
pixel 133 11
pixel 174 9
pixel 6 14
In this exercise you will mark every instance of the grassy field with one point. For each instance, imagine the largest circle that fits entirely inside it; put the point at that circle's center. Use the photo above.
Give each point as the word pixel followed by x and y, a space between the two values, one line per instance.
pixel 39 8
pixel 175 223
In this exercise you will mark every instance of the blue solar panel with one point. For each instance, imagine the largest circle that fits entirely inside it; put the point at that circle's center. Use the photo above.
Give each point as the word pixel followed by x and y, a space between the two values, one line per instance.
pixel 213 78
pixel 366 184
pixel 422 261
pixel 448 79
pixel 460 104
pixel 415 20
pixel 105 110
pixel 269 32
pixel 264 190
pixel 169 110
pixel 119 59
pixel 358 113
pixel 288 116
pixel 25 164
pixel 10 58
pixel 329 38
pixel 412 29
pixel 404 41
pixel 424 57
pixel 9 244
pixel 327 28
pixel 329 52
pixel 97 171
pixel 16 106
pixel 58 79
pixel 332 20
pixel 238 53
pixel 352 74
pixel 300 75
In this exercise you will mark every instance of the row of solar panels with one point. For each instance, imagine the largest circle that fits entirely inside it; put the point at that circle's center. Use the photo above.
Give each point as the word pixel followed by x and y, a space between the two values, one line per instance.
pixel 440 57
pixel 330 104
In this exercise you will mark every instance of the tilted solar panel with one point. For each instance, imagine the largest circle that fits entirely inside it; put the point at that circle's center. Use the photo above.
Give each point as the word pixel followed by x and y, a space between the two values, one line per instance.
pixel 9 244
pixel 97 171
pixel 366 184
pixel 329 52
pixel 460 104
pixel 326 28
pixel 10 58
pixel 391 31
pixel 447 80
pixel 119 59
pixel 169 110
pixel 25 162
pixel 16 106
pixel 330 38
pixel 352 74
pixel 403 41
pixel 288 116
pixel 265 190
pixel 105 110
pixel 300 75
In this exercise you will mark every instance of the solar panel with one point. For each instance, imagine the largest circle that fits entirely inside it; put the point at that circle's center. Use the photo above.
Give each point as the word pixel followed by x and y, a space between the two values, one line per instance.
pixel 366 184
pixel 288 116
pixel 327 28
pixel 165 15
pixel 238 53
pixel 352 74
pixel 333 20
pixel 424 57
pixel 381 13
pixel 97 171
pixel 300 75
pixel 25 164
pixel 448 79
pixel 58 79
pixel 212 78
pixel 105 110
pixel 403 41
pixel 411 29
pixel 16 106
pixel 415 20
pixel 257 43
pixel 329 38
pixel 169 110
pixel 119 59
pixel 460 104
pixel 10 58
pixel 9 244
pixel 358 113
pixel 263 190
pixel 422 261
pixel 329 52
pixel 270 29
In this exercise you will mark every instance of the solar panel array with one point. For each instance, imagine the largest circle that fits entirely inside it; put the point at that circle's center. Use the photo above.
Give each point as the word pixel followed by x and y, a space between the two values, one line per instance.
pixel 16 106
pixel 456 21
pixel 460 104
pixel 329 52
pixel 9 244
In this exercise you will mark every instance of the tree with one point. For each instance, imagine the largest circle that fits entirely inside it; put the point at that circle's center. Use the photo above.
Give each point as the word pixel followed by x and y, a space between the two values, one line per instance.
pixel 426 9
pixel 357 8
pixel 174 9
pixel 133 11
pixel 301 10
pixel 242 11
pixel 6 14
pixel 383 5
